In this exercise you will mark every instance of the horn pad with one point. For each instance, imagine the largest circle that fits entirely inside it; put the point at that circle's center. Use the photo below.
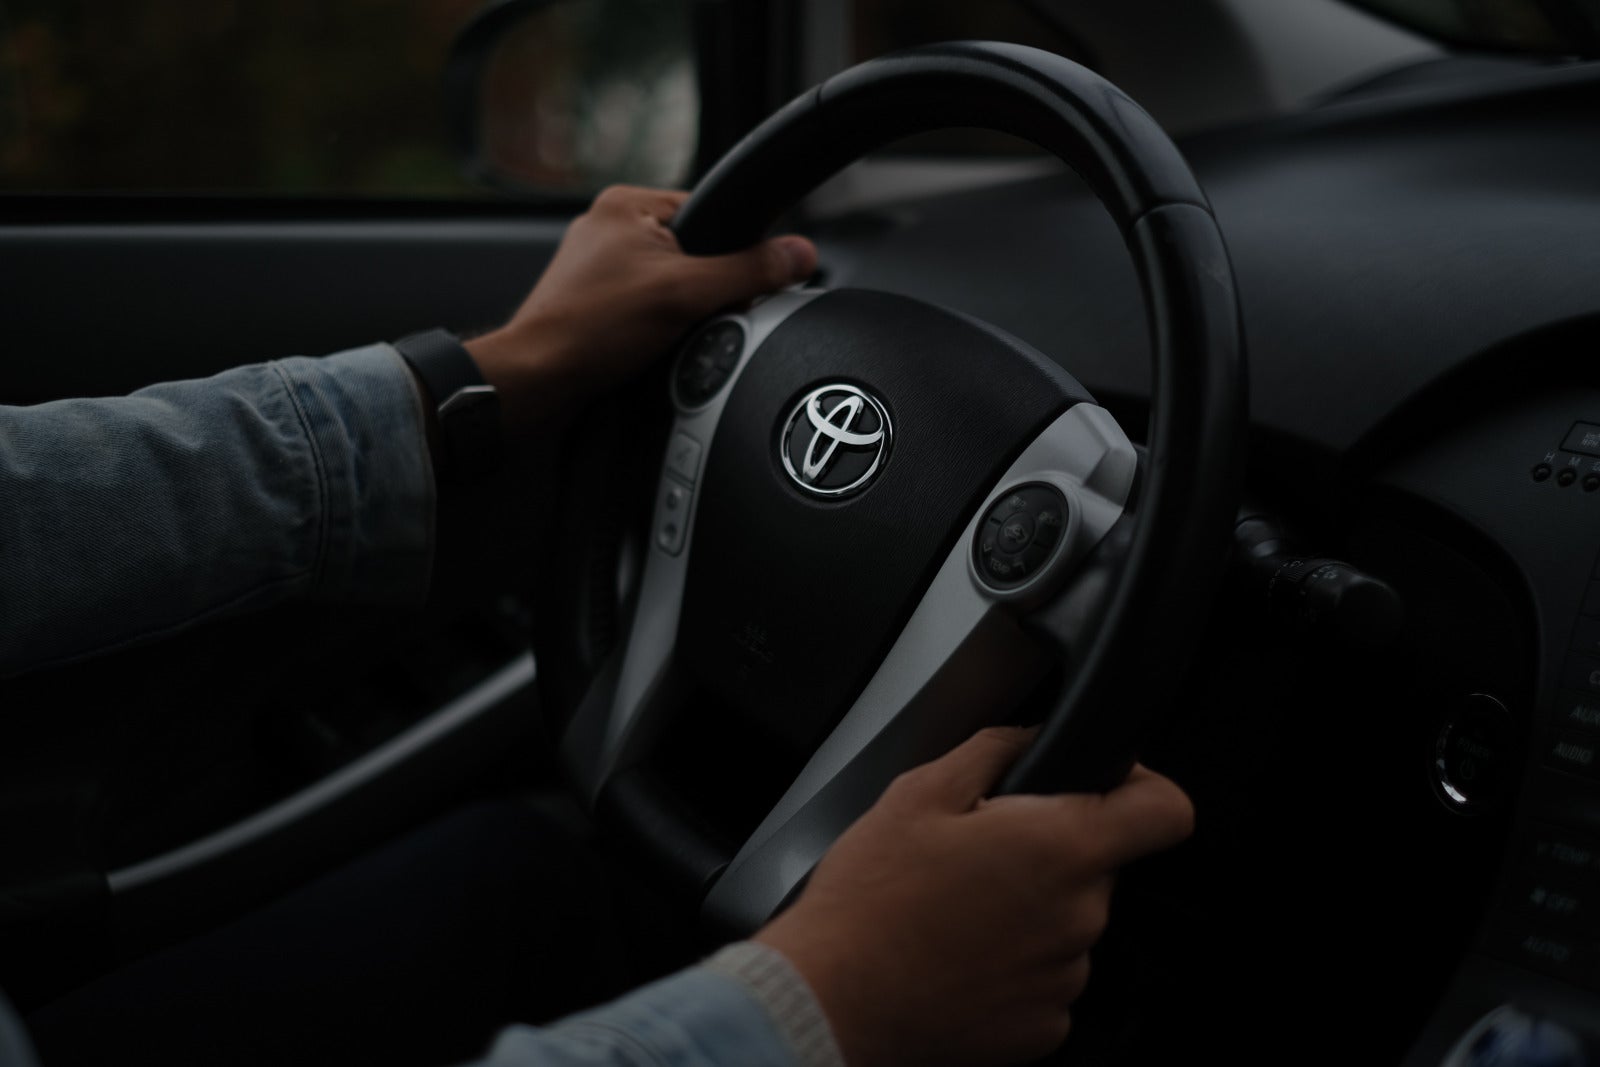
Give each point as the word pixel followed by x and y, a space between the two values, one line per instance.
pixel 861 437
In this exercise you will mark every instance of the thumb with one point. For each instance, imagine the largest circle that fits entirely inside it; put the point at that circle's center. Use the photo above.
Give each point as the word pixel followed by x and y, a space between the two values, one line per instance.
pixel 762 268
pixel 961 777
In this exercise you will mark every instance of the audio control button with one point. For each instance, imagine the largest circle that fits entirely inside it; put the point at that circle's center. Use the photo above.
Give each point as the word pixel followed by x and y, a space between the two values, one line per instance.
pixel 672 516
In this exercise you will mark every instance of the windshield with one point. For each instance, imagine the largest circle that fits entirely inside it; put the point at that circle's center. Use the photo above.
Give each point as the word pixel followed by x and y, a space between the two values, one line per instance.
pixel 1552 27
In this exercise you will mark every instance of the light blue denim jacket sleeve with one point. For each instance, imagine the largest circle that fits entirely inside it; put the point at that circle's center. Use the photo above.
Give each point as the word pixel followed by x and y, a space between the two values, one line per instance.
pixel 126 519
pixel 744 1007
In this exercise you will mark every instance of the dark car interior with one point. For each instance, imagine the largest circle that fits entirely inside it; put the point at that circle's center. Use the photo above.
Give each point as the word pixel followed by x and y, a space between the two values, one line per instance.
pixel 1374 662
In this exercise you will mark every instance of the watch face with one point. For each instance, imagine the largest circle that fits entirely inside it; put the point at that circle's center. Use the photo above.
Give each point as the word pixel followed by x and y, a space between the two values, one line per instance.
pixel 470 431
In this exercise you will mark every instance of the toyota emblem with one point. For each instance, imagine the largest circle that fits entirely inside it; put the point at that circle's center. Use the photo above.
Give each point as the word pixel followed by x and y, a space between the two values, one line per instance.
pixel 835 440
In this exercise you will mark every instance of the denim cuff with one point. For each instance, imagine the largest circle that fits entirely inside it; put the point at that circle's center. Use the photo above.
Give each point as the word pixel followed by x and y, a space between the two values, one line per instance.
pixel 786 997
pixel 699 1017
pixel 363 415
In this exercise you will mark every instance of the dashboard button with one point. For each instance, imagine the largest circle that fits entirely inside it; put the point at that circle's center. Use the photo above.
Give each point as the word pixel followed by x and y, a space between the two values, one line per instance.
pixel 1578 712
pixel 683 457
pixel 1556 903
pixel 1511 1037
pixel 1475 754
pixel 1556 952
pixel 1583 437
pixel 1581 674
pixel 1573 753
pixel 1561 851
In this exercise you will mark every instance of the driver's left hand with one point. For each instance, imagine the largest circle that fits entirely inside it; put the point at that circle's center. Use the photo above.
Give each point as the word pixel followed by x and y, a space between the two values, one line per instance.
pixel 617 294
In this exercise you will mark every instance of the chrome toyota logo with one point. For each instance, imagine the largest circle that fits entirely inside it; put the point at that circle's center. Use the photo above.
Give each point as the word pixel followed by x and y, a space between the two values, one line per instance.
pixel 835 440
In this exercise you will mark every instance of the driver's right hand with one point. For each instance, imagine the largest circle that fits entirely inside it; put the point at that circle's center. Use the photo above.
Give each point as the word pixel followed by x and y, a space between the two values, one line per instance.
pixel 946 927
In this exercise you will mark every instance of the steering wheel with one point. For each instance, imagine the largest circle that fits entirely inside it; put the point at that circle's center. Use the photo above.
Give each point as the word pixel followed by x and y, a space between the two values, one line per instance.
pixel 880 524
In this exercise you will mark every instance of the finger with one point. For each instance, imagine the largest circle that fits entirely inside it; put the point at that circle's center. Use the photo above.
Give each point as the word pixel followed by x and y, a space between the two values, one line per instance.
pixel 959 779
pixel 661 205
pixel 1148 812
pixel 718 281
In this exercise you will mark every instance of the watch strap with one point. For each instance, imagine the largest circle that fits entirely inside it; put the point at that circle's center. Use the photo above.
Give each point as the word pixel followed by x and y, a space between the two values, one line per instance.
pixel 441 361
pixel 466 408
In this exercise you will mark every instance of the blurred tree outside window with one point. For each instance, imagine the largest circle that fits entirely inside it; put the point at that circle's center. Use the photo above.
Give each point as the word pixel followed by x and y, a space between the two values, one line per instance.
pixel 324 97
pixel 591 92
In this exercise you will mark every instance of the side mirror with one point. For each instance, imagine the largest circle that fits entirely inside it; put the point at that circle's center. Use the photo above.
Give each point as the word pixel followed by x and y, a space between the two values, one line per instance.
pixel 563 97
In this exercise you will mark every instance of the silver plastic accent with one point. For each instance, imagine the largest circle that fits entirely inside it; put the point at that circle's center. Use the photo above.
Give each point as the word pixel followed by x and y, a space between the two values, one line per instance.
pixel 481 698
pixel 1085 455
pixel 594 751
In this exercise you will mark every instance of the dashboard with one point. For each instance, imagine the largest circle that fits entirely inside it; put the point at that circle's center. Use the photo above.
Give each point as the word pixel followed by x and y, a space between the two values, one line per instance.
pixel 1417 810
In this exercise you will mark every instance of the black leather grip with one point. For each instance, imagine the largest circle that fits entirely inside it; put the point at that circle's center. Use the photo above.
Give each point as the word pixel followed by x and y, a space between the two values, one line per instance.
pixel 1065 108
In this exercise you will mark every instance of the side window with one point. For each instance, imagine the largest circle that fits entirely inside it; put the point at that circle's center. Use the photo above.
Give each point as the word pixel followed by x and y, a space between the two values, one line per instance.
pixel 333 97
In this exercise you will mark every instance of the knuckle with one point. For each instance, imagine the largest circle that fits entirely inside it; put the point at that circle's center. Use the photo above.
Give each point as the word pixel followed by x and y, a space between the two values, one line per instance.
pixel 1076 980
pixel 774 267
pixel 673 291
pixel 999 735
pixel 905 782
pixel 908 789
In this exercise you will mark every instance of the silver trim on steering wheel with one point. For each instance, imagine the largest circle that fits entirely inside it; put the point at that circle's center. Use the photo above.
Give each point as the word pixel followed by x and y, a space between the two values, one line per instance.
pixel 1086 456
pixel 594 751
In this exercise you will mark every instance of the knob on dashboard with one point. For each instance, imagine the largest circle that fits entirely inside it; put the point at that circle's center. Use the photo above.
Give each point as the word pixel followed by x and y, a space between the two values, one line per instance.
pixel 1510 1037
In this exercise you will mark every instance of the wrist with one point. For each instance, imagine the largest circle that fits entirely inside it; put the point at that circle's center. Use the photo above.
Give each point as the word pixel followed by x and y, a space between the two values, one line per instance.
pixel 528 373
pixel 813 951
pixel 785 996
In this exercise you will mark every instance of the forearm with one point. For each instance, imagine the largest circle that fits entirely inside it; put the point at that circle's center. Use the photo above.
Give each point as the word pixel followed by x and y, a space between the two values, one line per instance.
pixel 126 519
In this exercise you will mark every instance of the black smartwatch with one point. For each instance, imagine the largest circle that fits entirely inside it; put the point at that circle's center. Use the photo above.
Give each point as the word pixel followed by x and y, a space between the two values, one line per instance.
pixel 467 409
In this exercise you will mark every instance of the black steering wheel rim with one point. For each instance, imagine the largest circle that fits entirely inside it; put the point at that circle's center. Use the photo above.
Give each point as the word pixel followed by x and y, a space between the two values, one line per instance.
pixel 1191 477
pixel 1195 440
